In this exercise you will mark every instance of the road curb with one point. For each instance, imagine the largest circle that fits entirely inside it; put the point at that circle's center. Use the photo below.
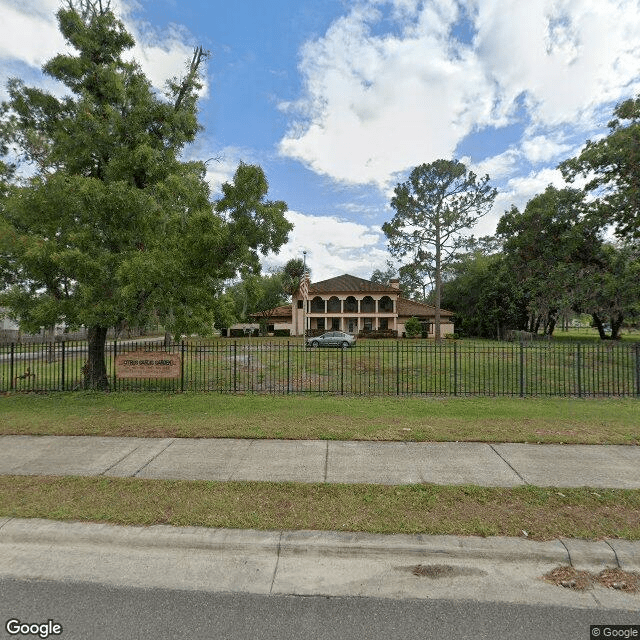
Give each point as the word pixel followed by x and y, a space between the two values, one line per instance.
pixel 580 553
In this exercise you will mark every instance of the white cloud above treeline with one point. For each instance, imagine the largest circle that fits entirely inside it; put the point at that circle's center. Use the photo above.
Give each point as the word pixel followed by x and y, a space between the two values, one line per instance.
pixel 334 246
pixel 30 36
pixel 389 85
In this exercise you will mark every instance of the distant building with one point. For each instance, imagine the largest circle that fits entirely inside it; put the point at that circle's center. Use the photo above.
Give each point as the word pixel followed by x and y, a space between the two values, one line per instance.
pixel 6 324
pixel 354 305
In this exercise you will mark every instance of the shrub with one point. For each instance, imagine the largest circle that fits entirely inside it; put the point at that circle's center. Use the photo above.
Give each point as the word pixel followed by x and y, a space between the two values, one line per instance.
pixel 413 327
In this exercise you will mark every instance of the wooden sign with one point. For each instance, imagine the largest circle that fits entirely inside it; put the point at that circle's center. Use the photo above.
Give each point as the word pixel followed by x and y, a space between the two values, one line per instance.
pixel 148 364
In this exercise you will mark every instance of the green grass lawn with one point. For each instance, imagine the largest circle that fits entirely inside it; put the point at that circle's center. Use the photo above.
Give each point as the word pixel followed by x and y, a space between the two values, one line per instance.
pixel 590 334
pixel 543 513
pixel 210 415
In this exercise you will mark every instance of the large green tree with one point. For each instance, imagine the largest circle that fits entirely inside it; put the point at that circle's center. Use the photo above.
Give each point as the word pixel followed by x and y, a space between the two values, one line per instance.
pixel 485 294
pixel 612 295
pixel 552 246
pixel 556 249
pixel 257 294
pixel 433 208
pixel 111 226
pixel 414 280
pixel 612 169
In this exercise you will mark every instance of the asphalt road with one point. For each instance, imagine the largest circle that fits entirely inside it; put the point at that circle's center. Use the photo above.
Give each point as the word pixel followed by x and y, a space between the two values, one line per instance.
pixel 99 612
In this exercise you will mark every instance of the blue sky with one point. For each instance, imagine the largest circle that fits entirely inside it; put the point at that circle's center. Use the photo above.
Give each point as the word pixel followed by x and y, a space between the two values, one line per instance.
pixel 338 100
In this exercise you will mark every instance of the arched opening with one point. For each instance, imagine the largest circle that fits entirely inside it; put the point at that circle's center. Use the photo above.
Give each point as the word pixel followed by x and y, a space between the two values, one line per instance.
pixel 317 305
pixel 385 304
pixel 367 305
pixel 333 305
pixel 351 305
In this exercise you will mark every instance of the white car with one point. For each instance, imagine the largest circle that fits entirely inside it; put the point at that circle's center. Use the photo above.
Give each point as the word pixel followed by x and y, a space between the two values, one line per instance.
pixel 332 339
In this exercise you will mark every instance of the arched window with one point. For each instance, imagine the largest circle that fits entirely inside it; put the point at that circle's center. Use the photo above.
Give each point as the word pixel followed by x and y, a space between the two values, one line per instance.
pixel 385 304
pixel 317 305
pixel 351 305
pixel 367 305
pixel 333 305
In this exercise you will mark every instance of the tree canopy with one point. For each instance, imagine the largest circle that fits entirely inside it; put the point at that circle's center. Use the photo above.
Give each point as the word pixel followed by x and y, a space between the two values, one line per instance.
pixel 257 294
pixel 556 249
pixel 111 225
pixel 552 247
pixel 433 207
pixel 612 169
pixel 293 274
pixel 485 294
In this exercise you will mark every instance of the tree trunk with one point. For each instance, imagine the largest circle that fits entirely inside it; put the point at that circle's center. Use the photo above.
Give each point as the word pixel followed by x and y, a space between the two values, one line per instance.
pixel 616 324
pixel 95 368
pixel 551 323
pixel 536 321
pixel 599 326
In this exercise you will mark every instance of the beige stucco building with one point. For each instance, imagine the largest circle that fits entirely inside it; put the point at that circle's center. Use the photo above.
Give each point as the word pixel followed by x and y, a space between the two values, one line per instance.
pixel 354 305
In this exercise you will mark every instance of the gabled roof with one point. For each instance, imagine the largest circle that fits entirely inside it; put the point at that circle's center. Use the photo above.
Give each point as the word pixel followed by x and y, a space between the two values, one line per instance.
pixel 408 307
pixel 347 282
pixel 284 311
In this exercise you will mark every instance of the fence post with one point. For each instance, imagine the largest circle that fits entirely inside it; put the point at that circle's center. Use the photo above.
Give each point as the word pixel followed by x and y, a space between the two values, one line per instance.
pixel 579 372
pixel 235 366
pixel 521 369
pixel 288 368
pixel 455 368
pixel 341 371
pixel 638 369
pixel 182 366
pixel 62 366
pixel 397 367
pixel 11 368
pixel 113 362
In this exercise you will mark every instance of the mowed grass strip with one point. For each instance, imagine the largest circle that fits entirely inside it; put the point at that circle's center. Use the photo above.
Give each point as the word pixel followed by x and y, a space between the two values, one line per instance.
pixel 543 513
pixel 210 415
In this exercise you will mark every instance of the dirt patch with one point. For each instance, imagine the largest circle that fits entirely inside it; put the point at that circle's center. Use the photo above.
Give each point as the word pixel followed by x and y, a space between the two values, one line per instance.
pixel 619 579
pixel 571 578
pixel 437 571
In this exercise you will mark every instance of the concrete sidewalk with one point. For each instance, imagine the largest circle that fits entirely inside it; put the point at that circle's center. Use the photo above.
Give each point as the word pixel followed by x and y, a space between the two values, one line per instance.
pixel 313 562
pixel 499 465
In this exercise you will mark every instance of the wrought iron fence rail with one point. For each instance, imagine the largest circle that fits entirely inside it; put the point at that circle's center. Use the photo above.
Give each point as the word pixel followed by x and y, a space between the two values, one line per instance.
pixel 370 368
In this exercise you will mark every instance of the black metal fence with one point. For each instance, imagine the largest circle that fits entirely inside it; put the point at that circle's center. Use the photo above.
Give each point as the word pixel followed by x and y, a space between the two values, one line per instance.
pixel 398 367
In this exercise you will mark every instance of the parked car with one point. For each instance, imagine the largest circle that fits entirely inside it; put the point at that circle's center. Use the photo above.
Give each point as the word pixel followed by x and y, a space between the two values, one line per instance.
pixel 332 339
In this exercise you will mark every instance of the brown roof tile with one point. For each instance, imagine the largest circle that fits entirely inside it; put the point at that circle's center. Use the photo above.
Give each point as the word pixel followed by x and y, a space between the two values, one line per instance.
pixel 283 311
pixel 349 283
pixel 408 307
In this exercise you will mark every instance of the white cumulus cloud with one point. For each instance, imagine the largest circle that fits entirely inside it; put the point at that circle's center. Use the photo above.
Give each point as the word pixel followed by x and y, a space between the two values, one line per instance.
pixel 376 105
pixel 30 36
pixel 334 246
pixel 379 100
